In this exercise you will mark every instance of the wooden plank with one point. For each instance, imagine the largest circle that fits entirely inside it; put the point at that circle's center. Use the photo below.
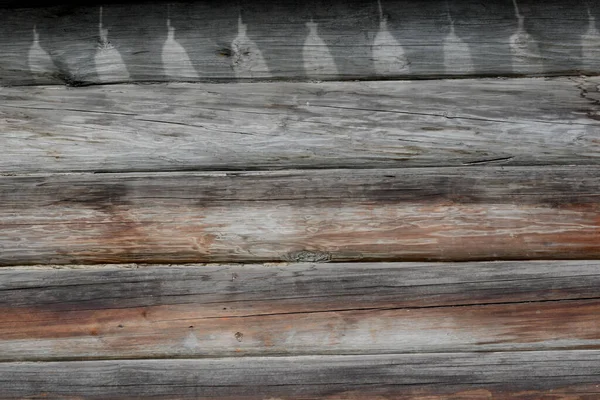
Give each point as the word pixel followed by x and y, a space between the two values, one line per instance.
pixel 295 125
pixel 321 39
pixel 231 310
pixel 526 375
pixel 452 214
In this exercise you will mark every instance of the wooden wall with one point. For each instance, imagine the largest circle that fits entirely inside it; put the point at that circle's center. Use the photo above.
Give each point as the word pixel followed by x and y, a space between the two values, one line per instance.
pixel 229 40
pixel 300 200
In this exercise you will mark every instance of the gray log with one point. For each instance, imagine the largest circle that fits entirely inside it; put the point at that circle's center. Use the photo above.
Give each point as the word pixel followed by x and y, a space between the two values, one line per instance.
pixel 555 374
pixel 295 125
pixel 315 39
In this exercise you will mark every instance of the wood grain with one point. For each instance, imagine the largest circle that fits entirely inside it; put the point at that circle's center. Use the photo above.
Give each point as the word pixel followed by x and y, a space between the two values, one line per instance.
pixel 294 125
pixel 526 375
pixel 98 175
pixel 315 39
pixel 452 214
pixel 365 308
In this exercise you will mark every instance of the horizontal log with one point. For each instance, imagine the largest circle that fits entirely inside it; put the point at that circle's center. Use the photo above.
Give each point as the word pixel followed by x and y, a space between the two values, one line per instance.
pixel 526 375
pixel 452 214
pixel 362 308
pixel 295 125
pixel 320 39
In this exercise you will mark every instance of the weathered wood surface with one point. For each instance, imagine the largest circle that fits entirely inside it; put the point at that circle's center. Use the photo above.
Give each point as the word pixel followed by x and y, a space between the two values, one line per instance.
pixel 296 125
pixel 463 213
pixel 525 375
pixel 364 308
pixel 321 39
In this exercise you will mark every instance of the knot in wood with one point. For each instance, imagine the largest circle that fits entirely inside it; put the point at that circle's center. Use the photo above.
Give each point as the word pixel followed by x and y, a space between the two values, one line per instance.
pixel 307 256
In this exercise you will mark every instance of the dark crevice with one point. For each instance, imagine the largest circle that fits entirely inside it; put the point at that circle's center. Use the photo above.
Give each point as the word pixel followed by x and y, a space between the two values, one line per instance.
pixel 484 304
pixel 80 84
pixel 308 356
pixel 386 171
pixel 340 310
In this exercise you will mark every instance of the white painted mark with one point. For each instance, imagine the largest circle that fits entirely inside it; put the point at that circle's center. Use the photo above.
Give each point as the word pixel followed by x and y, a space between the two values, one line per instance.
pixel 248 61
pixel 388 54
pixel 526 56
pixel 108 60
pixel 176 62
pixel 40 62
pixel 318 61
pixel 389 57
pixel 457 54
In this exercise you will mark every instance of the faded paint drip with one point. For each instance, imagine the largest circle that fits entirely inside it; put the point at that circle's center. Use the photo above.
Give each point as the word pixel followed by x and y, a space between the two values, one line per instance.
pixel 388 54
pixel 248 60
pixel 318 61
pixel 526 56
pixel 457 55
pixel 176 62
pixel 40 62
pixel 108 60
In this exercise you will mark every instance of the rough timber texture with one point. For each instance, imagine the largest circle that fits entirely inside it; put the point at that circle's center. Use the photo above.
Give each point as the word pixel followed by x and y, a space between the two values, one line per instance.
pixel 314 39
pixel 297 309
pixel 526 375
pixel 97 174
pixel 464 213
pixel 296 125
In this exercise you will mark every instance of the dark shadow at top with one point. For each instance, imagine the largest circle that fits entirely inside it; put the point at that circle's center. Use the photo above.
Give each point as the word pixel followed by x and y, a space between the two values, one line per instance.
pixel 16 4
